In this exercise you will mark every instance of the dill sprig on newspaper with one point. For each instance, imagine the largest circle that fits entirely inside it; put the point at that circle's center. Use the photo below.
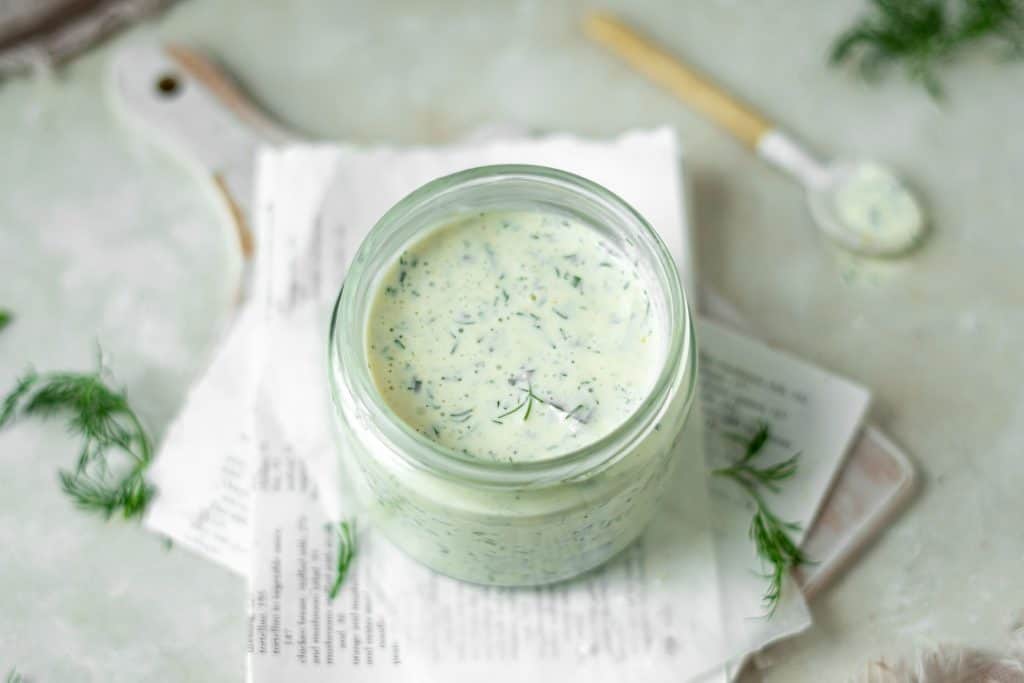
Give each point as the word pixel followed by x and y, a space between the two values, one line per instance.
pixel 771 535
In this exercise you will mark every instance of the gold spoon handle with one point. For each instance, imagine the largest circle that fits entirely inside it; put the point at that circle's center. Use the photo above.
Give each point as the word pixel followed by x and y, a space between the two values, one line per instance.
pixel 684 82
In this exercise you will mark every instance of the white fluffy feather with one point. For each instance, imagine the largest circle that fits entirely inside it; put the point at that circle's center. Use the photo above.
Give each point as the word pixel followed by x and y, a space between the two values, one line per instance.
pixel 946 664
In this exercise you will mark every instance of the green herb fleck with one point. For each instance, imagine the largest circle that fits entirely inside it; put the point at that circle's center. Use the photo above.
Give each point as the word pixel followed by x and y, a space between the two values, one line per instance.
pixel 5 318
pixel 770 534
pixel 346 551
pixel 532 316
pixel 14 677
pixel 399 344
pixel 574 280
pixel 105 421
pixel 573 412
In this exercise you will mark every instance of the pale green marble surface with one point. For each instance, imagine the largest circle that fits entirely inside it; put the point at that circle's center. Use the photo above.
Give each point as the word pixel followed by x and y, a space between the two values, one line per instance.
pixel 105 238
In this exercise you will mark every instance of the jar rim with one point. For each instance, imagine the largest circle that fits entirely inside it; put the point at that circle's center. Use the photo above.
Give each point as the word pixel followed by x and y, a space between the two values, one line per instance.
pixel 422 453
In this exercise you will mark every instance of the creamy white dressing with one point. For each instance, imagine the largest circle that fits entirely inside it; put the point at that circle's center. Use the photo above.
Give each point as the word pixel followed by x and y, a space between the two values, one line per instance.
pixel 873 206
pixel 514 336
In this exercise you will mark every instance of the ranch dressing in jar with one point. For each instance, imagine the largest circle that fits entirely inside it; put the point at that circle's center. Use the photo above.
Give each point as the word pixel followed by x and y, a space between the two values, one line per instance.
pixel 512 362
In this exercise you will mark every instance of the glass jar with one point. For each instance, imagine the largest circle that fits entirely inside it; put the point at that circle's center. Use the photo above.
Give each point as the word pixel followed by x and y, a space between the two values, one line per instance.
pixel 501 523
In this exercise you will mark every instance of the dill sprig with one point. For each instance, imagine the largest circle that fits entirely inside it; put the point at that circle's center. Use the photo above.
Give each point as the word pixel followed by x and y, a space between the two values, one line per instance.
pixel 346 551
pixel 924 34
pixel 5 318
pixel 770 534
pixel 527 402
pixel 578 413
pixel 14 677
pixel 105 421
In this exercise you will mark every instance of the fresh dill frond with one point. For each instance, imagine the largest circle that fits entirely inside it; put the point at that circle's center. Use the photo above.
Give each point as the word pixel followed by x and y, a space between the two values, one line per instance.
pixel 518 407
pixel 579 413
pixel 108 427
pixel 346 551
pixel 14 677
pixel 770 534
pixel 527 403
pixel 768 476
pixel 756 443
pixel 923 35
pixel 5 318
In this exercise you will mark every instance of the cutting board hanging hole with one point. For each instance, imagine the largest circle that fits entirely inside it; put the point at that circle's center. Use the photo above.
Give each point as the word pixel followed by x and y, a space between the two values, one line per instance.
pixel 169 85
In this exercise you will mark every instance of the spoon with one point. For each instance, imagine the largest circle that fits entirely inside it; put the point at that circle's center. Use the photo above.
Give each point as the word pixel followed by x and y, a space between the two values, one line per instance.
pixel 861 205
